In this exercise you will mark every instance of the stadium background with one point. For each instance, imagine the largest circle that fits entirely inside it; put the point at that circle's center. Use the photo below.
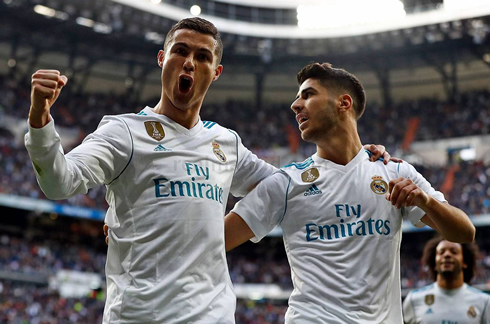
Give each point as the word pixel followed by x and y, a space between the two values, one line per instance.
pixel 426 71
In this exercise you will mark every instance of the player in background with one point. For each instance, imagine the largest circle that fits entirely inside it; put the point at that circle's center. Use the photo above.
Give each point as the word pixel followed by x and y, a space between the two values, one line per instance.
pixel 168 175
pixel 341 215
pixel 449 299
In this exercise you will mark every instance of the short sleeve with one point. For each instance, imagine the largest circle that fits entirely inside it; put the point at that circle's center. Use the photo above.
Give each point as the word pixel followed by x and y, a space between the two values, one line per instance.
pixel 413 213
pixel 250 170
pixel 264 207
pixel 486 310
pixel 408 311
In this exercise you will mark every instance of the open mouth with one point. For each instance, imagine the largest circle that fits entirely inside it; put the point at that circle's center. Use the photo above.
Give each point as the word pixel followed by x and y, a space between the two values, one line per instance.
pixel 185 83
pixel 302 120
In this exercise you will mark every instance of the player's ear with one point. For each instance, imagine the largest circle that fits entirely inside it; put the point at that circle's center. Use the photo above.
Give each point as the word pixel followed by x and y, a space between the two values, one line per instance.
pixel 346 101
pixel 160 58
pixel 217 72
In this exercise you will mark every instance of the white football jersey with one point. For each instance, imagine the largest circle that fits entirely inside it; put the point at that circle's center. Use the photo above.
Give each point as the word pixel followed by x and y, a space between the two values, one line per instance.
pixel 167 188
pixel 435 305
pixel 342 237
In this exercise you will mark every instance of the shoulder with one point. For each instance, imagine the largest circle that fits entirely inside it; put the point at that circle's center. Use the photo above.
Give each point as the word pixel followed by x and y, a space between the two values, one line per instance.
pixel 298 166
pixel 475 291
pixel 418 293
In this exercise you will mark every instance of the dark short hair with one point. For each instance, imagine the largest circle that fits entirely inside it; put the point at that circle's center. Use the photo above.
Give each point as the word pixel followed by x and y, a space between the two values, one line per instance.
pixel 470 257
pixel 338 79
pixel 201 26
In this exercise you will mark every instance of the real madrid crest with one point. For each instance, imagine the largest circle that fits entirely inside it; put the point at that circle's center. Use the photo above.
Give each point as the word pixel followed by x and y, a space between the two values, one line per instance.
pixel 310 175
pixel 218 152
pixel 378 185
pixel 155 130
pixel 429 299
pixel 472 312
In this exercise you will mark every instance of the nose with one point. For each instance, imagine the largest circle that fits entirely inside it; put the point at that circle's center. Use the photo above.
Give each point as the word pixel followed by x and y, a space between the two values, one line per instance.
pixel 296 106
pixel 189 63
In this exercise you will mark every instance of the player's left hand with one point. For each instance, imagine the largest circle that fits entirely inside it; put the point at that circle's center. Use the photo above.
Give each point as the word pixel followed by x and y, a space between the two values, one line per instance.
pixel 380 151
pixel 404 192
pixel 106 233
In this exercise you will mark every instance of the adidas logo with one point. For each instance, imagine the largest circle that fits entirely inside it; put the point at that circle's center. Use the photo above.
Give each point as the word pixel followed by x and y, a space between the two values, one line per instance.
pixel 161 148
pixel 429 311
pixel 313 190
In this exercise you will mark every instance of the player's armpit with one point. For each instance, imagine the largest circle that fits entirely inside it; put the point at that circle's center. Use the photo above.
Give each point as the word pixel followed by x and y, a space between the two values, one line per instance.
pixel 237 231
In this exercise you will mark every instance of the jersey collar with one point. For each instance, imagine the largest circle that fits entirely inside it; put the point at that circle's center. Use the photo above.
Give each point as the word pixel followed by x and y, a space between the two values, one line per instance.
pixel 361 156
pixel 176 126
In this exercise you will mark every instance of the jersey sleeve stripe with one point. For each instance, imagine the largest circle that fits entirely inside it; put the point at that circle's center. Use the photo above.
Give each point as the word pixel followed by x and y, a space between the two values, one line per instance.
pixel 236 137
pixel 132 151
pixel 285 201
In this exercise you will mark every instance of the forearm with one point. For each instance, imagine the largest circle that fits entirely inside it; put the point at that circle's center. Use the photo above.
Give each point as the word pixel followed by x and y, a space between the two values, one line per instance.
pixel 237 231
pixel 451 222
pixel 38 119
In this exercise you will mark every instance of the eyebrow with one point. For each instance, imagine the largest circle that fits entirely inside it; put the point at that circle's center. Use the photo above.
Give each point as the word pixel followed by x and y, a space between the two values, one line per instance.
pixel 303 91
pixel 202 49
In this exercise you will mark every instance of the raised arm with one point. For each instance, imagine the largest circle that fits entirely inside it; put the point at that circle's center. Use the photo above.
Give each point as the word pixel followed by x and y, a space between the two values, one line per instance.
pixel 46 88
pixel 99 159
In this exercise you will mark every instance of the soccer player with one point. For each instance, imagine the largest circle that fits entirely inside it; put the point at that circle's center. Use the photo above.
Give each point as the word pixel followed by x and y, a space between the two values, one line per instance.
pixel 341 216
pixel 450 299
pixel 168 175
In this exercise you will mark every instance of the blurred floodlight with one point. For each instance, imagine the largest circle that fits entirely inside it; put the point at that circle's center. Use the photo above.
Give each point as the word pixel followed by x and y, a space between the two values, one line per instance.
pixel 156 1
pixel 11 63
pixel 332 13
pixel 468 154
pixel 85 22
pixel 102 28
pixel 453 5
pixel 45 11
pixel 155 37
pixel 195 10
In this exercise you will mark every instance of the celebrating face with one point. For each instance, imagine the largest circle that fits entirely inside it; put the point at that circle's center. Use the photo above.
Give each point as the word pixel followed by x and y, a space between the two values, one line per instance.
pixel 449 259
pixel 189 65
pixel 315 112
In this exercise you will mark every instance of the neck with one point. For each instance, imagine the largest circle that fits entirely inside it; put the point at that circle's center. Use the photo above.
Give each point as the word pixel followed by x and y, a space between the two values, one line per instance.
pixel 340 145
pixel 187 118
pixel 450 283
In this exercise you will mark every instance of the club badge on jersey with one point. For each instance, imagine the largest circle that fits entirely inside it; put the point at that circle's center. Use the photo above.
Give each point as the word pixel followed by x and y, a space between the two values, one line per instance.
pixel 472 312
pixel 155 130
pixel 218 152
pixel 378 185
pixel 310 175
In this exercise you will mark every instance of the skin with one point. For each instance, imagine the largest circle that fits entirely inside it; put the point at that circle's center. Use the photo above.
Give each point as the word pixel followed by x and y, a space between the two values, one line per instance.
pixel 190 54
pixel 449 265
pixel 331 124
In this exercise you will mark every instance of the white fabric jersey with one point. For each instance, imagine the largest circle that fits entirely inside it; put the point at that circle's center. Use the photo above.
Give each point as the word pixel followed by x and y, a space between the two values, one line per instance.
pixel 435 305
pixel 167 188
pixel 342 237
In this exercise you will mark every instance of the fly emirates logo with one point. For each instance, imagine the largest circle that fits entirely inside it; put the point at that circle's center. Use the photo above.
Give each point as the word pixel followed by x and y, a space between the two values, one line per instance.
pixel 197 186
pixel 348 224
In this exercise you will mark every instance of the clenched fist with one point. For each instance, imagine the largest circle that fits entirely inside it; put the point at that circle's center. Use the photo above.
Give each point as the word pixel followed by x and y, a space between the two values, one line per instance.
pixel 46 88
